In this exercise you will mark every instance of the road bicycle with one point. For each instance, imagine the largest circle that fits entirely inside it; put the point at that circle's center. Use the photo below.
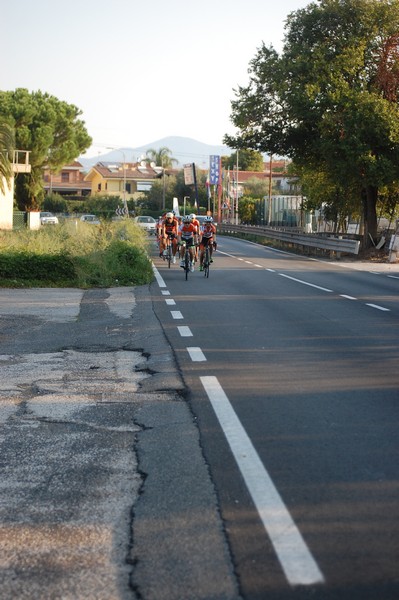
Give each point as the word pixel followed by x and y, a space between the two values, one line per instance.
pixel 186 259
pixel 168 251
pixel 206 261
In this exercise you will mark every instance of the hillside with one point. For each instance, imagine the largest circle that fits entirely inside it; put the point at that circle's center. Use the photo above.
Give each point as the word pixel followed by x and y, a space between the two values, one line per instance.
pixel 185 150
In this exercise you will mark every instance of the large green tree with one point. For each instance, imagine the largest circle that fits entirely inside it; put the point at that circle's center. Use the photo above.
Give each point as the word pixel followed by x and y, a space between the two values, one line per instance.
pixel 248 160
pixel 330 100
pixel 7 145
pixel 50 129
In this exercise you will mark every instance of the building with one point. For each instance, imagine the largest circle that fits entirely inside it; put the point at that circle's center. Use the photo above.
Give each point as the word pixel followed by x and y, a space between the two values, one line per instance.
pixel 111 179
pixel 70 181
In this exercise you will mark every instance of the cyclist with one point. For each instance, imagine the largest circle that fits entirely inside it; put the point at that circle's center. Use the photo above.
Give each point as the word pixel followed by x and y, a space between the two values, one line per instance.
pixel 169 230
pixel 195 222
pixel 187 232
pixel 208 233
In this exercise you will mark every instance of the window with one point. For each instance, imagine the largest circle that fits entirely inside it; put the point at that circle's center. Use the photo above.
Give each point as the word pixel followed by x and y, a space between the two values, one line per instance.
pixel 64 177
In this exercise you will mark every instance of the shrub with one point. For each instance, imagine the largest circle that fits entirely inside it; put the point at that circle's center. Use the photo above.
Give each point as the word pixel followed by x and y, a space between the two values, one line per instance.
pixel 75 254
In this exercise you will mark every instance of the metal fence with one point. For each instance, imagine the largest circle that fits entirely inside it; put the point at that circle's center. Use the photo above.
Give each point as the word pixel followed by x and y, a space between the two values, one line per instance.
pixel 19 220
pixel 322 242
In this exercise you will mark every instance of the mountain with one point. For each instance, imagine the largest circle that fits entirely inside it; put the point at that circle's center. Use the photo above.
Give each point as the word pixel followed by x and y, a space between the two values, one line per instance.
pixel 183 149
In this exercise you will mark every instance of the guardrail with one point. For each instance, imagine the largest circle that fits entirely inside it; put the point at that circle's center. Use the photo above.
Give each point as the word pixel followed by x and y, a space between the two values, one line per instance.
pixel 314 240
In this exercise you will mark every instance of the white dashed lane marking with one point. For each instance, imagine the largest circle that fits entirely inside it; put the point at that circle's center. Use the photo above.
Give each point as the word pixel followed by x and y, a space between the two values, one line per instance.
pixel 318 287
pixel 176 314
pixel 378 307
pixel 185 331
pixel 196 354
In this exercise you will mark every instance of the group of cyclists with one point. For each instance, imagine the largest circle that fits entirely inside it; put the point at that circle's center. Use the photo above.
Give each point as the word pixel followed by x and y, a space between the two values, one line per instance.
pixel 186 233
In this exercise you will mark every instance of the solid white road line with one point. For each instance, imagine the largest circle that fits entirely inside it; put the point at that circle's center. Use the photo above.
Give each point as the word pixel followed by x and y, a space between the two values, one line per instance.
pixel 378 307
pixel 184 331
pixel 196 354
pixel 305 282
pixel 295 558
pixel 176 314
pixel 159 279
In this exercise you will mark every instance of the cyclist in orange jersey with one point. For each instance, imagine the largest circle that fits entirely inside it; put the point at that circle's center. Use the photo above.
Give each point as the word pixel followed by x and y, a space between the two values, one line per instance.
pixel 187 232
pixel 208 233
pixel 169 229
pixel 195 222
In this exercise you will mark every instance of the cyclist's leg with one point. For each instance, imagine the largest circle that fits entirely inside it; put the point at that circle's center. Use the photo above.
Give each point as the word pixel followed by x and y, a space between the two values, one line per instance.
pixel 201 253
pixel 191 250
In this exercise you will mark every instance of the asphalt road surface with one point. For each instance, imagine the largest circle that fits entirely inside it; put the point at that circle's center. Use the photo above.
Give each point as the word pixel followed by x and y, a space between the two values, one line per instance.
pixel 105 492
pixel 293 370
pixel 214 439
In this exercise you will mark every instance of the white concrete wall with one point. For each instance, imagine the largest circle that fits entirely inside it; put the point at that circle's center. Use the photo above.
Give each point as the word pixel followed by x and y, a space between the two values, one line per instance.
pixel 7 205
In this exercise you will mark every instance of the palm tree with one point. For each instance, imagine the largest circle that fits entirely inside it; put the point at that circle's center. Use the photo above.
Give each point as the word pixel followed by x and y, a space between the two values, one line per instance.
pixel 161 157
pixel 7 145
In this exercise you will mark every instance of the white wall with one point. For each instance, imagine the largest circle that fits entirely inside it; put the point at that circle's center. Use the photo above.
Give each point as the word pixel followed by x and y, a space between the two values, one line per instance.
pixel 7 205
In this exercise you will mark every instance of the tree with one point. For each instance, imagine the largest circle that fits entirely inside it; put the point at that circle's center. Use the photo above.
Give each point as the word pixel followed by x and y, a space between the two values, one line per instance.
pixel 50 129
pixel 161 157
pixel 248 160
pixel 330 101
pixel 7 146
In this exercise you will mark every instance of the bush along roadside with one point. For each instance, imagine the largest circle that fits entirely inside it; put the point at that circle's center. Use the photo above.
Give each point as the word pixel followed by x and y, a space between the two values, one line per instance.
pixel 76 256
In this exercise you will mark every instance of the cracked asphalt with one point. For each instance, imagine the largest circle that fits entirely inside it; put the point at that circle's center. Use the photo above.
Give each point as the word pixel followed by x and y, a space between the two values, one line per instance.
pixel 105 493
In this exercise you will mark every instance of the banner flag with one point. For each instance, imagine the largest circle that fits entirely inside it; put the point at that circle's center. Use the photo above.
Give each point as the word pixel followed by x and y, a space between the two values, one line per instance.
pixel 214 169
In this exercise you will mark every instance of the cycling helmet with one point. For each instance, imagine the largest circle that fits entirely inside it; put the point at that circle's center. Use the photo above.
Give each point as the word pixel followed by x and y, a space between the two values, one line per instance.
pixel 208 220
pixel 169 215
pixel 193 216
pixel 187 219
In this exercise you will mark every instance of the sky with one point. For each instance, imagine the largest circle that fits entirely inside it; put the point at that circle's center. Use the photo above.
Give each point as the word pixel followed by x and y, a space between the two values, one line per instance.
pixel 140 71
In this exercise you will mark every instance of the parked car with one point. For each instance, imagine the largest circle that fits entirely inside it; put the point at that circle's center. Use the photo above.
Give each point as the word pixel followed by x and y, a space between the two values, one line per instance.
pixel 147 223
pixel 47 218
pixel 201 219
pixel 92 219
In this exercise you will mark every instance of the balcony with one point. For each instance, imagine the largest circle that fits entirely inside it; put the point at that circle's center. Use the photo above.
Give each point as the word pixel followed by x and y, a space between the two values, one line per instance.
pixel 20 163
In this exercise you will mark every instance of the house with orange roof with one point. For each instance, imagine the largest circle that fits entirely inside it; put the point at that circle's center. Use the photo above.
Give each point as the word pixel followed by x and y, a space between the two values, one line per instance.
pixel 69 181
pixel 111 179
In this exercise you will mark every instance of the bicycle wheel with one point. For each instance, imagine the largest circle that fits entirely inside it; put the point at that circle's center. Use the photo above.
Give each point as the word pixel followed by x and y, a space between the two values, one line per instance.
pixel 186 262
pixel 169 255
pixel 206 262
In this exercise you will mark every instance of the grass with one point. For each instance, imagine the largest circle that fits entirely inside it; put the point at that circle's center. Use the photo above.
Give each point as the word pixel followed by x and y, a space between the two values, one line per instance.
pixel 75 254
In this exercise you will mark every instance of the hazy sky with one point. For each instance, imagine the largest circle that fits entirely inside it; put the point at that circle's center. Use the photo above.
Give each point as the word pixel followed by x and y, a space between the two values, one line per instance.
pixel 140 71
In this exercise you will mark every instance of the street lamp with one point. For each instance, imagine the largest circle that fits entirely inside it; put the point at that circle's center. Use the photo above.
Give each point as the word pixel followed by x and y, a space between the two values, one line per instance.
pixel 125 208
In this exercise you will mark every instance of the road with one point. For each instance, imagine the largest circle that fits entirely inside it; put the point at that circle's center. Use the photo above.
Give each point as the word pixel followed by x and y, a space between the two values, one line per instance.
pixel 105 492
pixel 292 367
